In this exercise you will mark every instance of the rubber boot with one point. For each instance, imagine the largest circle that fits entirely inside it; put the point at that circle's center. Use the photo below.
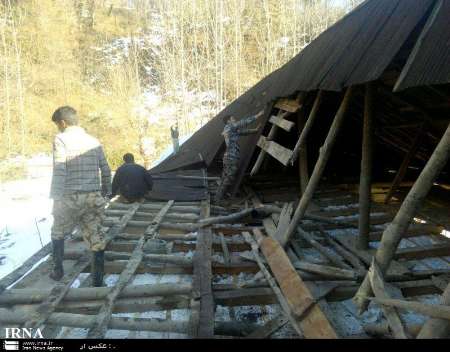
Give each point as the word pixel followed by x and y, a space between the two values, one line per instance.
pixel 97 268
pixel 58 256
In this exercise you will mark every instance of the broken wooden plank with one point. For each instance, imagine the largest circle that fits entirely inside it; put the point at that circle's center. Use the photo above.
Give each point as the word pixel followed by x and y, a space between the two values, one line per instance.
pixel 281 299
pixel 283 222
pixel 276 150
pixel 291 105
pixel 314 324
pixel 281 122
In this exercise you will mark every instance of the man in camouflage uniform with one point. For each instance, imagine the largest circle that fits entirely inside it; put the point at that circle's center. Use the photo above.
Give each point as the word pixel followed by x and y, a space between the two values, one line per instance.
pixel 75 189
pixel 231 132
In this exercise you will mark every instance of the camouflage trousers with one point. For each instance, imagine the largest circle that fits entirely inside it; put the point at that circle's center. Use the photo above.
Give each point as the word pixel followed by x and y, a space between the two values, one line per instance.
pixel 85 210
pixel 230 168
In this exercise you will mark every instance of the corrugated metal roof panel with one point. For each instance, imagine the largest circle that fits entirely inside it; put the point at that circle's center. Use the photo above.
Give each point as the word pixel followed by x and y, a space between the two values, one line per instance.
pixel 429 62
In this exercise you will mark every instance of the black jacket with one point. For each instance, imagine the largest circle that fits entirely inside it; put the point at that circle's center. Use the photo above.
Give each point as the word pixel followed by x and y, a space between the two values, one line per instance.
pixel 131 181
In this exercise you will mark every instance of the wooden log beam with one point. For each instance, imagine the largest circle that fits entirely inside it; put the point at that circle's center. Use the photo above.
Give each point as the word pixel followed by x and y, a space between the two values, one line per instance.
pixel 326 271
pixel 202 315
pixel 32 295
pixel 365 197
pixel 125 323
pixel 152 258
pixel 394 232
pixel 420 252
pixel 265 209
pixel 432 310
pixel 325 153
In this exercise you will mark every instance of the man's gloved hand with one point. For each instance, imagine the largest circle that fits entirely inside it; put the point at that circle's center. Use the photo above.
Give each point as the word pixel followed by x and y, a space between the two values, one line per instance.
pixel 108 196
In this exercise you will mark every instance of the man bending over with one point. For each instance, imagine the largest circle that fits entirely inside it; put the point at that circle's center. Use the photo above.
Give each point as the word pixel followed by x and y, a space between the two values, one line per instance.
pixel 131 181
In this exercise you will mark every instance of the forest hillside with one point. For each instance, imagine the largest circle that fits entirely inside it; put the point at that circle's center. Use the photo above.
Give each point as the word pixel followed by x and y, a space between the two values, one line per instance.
pixel 134 68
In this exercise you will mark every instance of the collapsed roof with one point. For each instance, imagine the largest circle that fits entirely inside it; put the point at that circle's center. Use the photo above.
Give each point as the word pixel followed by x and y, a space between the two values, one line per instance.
pixel 408 39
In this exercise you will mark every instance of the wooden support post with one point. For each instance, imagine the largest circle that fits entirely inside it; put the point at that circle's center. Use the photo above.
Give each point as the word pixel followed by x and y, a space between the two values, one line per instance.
pixel 325 152
pixel 305 131
pixel 437 328
pixel 303 153
pixel 404 166
pixel 366 169
pixel 394 232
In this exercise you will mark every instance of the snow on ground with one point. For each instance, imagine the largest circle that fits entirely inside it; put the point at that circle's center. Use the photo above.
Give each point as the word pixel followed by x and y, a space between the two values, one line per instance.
pixel 25 216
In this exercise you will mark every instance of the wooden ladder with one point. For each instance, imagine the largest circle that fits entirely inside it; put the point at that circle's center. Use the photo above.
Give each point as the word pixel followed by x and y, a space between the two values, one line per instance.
pixel 267 145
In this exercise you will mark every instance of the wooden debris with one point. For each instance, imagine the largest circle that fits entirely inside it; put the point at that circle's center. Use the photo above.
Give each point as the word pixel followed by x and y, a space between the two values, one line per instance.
pixel 48 306
pixel 326 271
pixel 315 324
pixel 316 175
pixel 283 222
pixel 100 325
pixel 281 299
pixel 434 311
pixel 437 328
pixel 322 250
pixel 393 233
pixel 379 289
